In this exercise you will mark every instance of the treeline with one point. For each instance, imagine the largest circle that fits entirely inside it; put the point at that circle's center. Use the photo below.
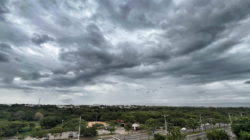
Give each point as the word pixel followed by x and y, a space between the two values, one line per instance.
pixel 49 116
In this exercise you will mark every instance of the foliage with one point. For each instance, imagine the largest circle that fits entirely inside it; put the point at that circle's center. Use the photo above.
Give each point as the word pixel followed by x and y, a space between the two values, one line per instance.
pixel 198 138
pixel 21 118
pixel 50 121
pixel 73 124
pixel 109 116
pixel 88 131
pixel 192 124
pixel 214 122
pixel 152 123
pixel 56 131
pixel 111 123
pixel 176 134
pixel 216 134
pixel 128 127
pixel 32 125
pixel 158 136
pixel 97 125
pixel 111 130
pixel 37 128
pixel 38 116
pixel 143 127
pixel 149 132
pixel 128 118
pixel 242 124
pixel 12 128
pixel 39 134
pixel 244 135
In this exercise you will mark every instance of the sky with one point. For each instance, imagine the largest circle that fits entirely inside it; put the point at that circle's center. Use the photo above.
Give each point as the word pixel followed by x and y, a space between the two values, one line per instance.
pixel 159 52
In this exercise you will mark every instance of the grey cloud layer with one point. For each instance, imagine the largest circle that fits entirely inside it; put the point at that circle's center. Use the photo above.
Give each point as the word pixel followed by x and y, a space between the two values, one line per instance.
pixel 50 44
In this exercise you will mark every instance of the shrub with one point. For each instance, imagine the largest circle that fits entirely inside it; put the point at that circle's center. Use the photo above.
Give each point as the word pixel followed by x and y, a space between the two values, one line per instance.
pixel 217 135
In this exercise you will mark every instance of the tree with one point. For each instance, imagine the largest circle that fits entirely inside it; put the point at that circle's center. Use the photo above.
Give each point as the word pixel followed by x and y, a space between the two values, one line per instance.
pixel 50 121
pixel 244 135
pixel 192 124
pixel 214 123
pixel 56 131
pixel 37 128
pixel 111 130
pixel 28 115
pixel 97 125
pixel 38 116
pixel 72 125
pixel 242 124
pixel 176 134
pixel 142 127
pixel 19 115
pixel 158 136
pixel 127 118
pixel 39 134
pixel 88 131
pixel 216 134
pixel 128 127
pixel 149 132
pixel 198 138
pixel 151 123
pixel 109 116
pixel 32 125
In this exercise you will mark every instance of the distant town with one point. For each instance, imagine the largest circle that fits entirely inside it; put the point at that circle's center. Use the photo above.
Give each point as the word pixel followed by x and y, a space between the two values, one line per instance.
pixel 106 106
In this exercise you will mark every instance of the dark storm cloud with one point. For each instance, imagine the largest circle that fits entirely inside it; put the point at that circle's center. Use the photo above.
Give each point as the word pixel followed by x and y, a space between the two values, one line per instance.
pixel 67 100
pixel 3 9
pixel 134 15
pixel 4 57
pixel 85 43
pixel 5 47
pixel 40 39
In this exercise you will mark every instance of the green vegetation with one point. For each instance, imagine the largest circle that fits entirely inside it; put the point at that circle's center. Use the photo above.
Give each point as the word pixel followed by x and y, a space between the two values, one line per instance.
pixel 20 120
pixel 176 134
pixel 217 134
pixel 192 124
pixel 241 128
pixel 128 127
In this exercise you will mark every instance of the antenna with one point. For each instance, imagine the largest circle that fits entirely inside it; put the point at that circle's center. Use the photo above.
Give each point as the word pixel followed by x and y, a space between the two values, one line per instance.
pixel 39 102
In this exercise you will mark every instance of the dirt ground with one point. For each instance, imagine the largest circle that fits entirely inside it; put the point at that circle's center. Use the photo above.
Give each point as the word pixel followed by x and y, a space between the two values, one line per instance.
pixel 91 123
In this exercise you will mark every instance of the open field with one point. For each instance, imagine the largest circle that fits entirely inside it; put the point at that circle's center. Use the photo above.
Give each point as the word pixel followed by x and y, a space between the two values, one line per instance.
pixel 90 124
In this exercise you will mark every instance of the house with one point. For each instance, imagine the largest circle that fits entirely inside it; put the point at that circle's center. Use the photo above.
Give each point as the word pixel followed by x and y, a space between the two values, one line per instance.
pixel 76 106
pixel 60 106
pixel 120 122
pixel 68 106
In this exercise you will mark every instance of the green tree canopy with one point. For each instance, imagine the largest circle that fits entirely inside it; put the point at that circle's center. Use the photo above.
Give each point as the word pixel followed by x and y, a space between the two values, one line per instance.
pixel 152 123
pixel 242 124
pixel 192 124
pixel 216 134
pixel 128 127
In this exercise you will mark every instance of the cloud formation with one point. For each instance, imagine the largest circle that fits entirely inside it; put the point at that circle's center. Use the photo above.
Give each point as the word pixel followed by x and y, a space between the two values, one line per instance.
pixel 107 50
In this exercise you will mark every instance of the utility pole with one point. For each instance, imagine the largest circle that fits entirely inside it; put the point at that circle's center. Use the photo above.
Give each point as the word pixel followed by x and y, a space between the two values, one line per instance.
pixel 241 114
pixel 201 123
pixel 62 123
pixel 165 123
pixel 79 128
pixel 39 102
pixel 229 117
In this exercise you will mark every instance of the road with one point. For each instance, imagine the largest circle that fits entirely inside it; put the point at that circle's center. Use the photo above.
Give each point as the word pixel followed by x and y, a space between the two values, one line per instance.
pixel 144 136
pixel 120 132
pixel 202 135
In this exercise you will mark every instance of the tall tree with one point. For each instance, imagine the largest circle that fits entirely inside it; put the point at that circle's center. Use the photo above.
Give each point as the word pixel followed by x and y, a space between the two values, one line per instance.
pixel 38 116
pixel 192 124
pixel 128 127
pixel 151 123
